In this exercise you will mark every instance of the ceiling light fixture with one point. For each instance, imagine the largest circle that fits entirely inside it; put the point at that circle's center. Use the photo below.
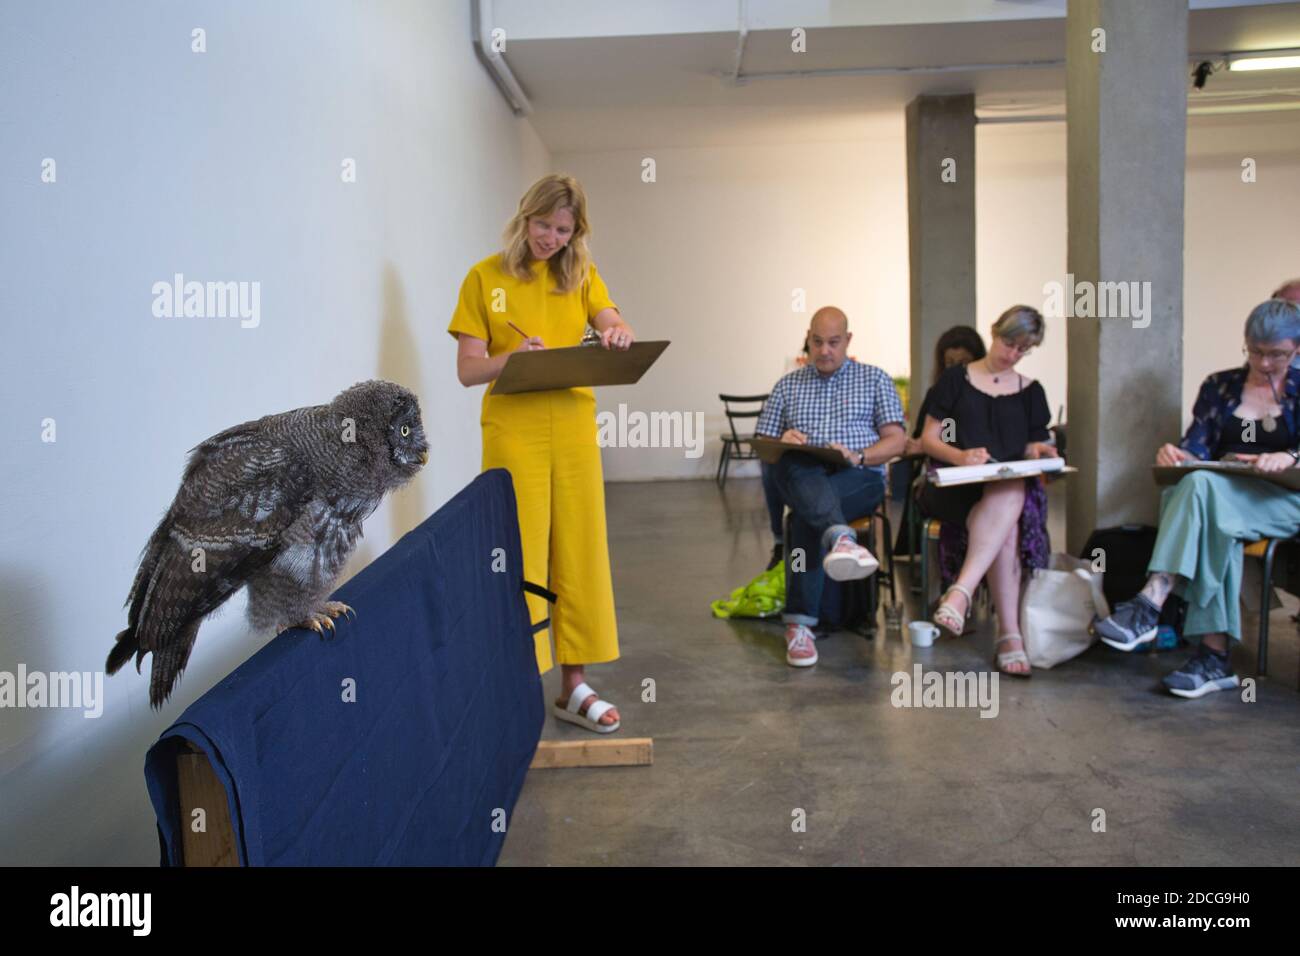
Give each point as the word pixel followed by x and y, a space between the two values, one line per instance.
pixel 1264 60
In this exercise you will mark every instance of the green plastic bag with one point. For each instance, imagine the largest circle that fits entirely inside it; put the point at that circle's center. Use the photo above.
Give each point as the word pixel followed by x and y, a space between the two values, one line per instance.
pixel 762 597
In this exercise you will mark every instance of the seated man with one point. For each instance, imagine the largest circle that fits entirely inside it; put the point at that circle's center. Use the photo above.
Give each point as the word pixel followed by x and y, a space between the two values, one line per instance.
pixel 855 409
pixel 1252 414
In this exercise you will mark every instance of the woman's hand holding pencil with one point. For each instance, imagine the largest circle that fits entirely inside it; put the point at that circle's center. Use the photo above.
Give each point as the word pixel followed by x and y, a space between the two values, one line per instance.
pixel 531 343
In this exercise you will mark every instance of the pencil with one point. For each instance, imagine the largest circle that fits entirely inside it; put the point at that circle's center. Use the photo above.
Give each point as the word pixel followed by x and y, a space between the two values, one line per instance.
pixel 517 329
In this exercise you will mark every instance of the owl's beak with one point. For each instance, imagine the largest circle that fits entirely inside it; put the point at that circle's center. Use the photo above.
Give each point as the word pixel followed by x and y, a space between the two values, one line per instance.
pixel 424 457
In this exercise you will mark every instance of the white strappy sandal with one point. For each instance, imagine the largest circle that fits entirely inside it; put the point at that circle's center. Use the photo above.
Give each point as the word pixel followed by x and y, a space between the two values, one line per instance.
pixel 1012 657
pixel 948 617
pixel 591 719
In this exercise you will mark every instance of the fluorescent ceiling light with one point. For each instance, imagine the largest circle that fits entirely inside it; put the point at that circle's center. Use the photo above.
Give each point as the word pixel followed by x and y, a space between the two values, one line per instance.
pixel 1289 61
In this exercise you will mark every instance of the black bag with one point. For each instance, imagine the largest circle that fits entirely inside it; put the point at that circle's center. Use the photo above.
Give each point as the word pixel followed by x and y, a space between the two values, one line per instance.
pixel 1127 552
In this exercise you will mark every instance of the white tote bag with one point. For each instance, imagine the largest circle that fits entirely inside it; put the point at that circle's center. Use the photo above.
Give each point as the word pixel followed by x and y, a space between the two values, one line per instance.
pixel 1057 607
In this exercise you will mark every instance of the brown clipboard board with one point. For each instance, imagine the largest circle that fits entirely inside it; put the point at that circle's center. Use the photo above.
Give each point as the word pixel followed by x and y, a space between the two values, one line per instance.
pixel 771 449
pixel 575 367
pixel 1172 474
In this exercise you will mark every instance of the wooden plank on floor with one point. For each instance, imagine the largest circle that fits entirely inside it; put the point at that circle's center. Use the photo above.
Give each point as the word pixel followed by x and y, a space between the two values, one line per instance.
pixel 627 752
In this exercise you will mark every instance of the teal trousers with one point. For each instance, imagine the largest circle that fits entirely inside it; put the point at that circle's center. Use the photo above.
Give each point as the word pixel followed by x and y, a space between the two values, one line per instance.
pixel 1205 520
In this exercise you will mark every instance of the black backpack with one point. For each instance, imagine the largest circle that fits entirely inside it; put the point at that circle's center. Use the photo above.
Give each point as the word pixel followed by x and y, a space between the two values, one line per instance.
pixel 1126 551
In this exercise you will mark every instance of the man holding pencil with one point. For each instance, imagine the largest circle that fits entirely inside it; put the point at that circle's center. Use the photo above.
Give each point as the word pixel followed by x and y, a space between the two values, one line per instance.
pixel 853 408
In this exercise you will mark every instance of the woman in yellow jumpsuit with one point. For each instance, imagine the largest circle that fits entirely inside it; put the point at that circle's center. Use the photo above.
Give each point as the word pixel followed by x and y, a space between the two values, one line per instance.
pixel 544 284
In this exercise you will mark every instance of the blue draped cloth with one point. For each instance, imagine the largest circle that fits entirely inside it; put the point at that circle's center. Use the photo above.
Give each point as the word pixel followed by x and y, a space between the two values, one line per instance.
pixel 424 767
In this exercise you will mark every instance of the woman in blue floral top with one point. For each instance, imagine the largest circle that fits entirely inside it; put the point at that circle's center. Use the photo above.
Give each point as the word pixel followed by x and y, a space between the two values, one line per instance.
pixel 1249 414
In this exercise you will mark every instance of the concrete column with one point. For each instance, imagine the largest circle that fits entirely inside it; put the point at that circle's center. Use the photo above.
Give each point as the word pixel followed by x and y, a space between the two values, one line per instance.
pixel 1127 131
pixel 940 224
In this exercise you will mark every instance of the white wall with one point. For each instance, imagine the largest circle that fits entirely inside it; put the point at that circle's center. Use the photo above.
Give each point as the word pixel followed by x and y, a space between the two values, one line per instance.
pixel 708 254
pixel 223 165
pixel 1240 239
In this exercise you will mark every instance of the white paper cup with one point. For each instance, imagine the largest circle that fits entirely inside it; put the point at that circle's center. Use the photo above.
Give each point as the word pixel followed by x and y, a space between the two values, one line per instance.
pixel 923 633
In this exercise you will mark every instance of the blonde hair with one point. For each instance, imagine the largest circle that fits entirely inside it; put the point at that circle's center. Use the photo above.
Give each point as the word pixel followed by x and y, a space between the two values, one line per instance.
pixel 571 264
pixel 1020 325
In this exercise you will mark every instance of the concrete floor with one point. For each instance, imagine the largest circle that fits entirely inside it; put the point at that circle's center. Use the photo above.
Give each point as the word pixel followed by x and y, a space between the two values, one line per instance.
pixel 742 741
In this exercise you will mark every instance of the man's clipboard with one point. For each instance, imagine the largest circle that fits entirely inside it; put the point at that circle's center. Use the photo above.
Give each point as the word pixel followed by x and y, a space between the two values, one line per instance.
pixel 574 367
pixel 1172 474
pixel 771 449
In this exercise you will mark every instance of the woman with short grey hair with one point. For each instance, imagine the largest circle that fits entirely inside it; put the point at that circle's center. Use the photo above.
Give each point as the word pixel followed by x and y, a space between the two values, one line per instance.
pixel 1249 414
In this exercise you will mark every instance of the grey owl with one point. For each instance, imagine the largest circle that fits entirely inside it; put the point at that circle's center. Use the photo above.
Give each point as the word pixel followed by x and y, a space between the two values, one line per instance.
pixel 276 504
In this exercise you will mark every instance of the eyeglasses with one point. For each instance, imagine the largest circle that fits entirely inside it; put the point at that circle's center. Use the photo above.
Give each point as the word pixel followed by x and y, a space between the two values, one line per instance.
pixel 1273 355
pixel 1021 350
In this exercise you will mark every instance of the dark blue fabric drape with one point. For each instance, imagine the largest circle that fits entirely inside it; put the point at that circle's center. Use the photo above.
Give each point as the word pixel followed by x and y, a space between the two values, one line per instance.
pixel 434 749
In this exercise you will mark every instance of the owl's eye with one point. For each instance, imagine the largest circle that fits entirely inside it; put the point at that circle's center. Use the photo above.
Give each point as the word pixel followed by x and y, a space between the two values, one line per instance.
pixel 406 431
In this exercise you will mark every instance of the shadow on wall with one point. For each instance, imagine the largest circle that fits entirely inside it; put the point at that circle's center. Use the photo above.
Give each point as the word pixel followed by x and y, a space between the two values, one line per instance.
pixel 77 784
pixel 25 731
pixel 399 361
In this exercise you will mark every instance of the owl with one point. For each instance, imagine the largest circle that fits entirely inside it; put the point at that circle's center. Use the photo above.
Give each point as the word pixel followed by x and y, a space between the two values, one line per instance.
pixel 275 504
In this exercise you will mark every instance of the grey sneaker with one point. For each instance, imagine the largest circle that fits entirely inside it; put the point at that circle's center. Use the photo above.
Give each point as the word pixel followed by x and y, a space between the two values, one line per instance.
pixel 1132 624
pixel 1204 673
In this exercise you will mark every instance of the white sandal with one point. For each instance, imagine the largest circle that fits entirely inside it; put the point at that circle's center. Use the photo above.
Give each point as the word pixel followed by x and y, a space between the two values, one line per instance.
pixel 948 617
pixel 591 719
pixel 1012 657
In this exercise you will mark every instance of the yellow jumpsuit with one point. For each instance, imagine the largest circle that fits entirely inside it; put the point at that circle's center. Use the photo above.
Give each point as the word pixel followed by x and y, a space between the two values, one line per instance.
pixel 547 441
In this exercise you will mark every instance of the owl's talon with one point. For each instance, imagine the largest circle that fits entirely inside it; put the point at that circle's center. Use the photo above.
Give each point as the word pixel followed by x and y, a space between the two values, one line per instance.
pixel 337 608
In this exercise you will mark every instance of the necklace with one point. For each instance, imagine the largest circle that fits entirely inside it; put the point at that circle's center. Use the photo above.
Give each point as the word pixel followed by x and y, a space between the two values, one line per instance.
pixel 988 368
pixel 1270 423
pixel 1270 420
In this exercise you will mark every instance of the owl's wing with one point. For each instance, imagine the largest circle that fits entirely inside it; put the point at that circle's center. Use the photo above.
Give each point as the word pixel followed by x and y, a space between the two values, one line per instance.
pixel 241 489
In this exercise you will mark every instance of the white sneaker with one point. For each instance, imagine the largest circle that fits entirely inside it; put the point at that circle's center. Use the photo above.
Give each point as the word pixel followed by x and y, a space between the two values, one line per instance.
pixel 849 561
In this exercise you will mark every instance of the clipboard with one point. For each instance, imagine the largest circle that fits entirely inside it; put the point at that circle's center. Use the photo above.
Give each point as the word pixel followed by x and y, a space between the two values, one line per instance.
pixel 957 475
pixel 1172 474
pixel 771 449
pixel 575 367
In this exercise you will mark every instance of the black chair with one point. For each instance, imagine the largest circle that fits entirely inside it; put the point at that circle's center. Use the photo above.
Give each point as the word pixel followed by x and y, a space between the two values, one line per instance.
pixel 733 446
pixel 885 572
pixel 1266 550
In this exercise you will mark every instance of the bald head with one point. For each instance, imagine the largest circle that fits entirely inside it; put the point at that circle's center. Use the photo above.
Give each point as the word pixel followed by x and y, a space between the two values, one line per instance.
pixel 1290 291
pixel 829 320
pixel 828 339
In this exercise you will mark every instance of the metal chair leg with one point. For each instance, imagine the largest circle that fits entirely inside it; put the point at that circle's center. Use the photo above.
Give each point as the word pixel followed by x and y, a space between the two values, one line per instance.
pixel 914 537
pixel 889 553
pixel 870 590
pixel 925 570
pixel 1266 587
pixel 721 477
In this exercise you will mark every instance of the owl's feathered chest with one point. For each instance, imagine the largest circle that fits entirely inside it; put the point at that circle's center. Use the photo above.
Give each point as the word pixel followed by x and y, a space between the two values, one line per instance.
pixel 316 546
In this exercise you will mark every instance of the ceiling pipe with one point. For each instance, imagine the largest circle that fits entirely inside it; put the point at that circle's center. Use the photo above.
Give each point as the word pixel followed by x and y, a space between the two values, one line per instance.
pixel 742 35
pixel 495 62
pixel 738 77
pixel 899 70
pixel 1223 110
